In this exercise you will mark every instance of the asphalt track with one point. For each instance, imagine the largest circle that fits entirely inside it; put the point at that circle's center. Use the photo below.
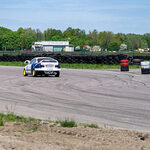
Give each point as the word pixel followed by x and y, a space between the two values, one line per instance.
pixel 105 97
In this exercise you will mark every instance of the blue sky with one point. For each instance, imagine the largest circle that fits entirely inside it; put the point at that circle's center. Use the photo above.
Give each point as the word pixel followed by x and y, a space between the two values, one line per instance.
pixel 126 16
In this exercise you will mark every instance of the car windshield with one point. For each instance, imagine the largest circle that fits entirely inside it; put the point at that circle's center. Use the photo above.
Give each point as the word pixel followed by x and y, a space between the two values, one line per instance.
pixel 46 60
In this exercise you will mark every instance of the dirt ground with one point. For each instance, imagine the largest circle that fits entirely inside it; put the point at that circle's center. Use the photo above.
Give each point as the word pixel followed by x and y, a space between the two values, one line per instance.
pixel 47 136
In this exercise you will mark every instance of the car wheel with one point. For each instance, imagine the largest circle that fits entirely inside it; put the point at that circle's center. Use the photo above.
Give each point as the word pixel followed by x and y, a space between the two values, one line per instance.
pixel 57 74
pixel 24 72
pixel 34 73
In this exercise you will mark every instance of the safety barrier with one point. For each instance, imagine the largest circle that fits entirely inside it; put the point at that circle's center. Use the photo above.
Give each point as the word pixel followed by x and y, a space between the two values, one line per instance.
pixel 125 65
pixel 88 59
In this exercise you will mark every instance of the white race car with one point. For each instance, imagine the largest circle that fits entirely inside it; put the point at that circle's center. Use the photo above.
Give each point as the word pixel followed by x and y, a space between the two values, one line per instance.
pixel 42 66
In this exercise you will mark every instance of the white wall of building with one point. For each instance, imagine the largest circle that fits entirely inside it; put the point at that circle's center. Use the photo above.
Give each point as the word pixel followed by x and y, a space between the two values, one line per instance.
pixel 50 46
pixel 69 49
pixel 53 43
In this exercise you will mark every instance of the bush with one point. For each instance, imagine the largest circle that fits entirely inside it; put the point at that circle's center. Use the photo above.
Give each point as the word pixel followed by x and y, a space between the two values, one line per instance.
pixel 67 123
pixel 92 125
pixel 10 117
pixel 1 123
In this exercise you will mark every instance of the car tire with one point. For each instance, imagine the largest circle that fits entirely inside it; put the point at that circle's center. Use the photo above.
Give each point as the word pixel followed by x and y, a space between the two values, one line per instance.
pixel 24 72
pixel 34 73
pixel 57 74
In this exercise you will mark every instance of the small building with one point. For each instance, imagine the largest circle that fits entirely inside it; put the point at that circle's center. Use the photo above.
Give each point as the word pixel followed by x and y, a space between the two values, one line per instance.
pixel 52 46
pixel 96 48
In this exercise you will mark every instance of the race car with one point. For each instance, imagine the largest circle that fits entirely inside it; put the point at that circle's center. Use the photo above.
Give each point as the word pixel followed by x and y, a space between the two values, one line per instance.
pixel 42 66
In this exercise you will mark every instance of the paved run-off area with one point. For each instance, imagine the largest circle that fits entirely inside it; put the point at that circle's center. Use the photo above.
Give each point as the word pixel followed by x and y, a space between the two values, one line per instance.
pixel 105 97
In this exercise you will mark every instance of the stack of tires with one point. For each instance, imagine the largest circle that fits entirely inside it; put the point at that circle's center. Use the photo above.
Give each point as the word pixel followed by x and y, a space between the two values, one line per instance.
pixel 145 67
pixel 125 65
pixel 136 61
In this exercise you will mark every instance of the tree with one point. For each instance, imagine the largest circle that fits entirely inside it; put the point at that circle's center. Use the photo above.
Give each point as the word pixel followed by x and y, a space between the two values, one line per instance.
pixel 113 46
pixel 75 36
pixel 121 37
pixel 104 38
pixel 39 35
pixel 49 33
pixel 23 38
pixel 147 39
pixel 92 38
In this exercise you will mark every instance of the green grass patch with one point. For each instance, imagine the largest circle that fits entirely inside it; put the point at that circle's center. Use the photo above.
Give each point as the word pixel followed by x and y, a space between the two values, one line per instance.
pixel 14 63
pixel 134 67
pixel 1 122
pixel 10 117
pixel 95 66
pixel 67 123
pixel 90 125
pixel 75 66
pixel 89 66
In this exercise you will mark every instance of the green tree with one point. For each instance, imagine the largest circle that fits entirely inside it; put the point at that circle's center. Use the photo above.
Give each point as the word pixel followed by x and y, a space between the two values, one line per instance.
pixel 27 36
pixel 147 39
pixel 39 35
pixel 104 38
pixel 92 38
pixel 50 33
pixel 113 46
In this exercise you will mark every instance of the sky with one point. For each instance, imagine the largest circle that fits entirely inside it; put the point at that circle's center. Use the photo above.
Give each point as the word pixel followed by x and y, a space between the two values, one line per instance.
pixel 117 16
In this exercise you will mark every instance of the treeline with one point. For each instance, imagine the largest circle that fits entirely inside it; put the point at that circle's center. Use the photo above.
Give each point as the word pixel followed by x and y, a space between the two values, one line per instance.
pixel 23 38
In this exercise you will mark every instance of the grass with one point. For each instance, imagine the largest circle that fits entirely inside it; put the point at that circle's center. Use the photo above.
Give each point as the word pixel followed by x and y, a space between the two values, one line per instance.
pixel 90 125
pixel 74 66
pixel 10 117
pixel 67 123
pixel 14 63
pixel 1 122
pixel 95 66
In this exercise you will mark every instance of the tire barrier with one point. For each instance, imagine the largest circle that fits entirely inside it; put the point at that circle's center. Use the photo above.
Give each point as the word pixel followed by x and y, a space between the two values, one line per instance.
pixel 141 57
pixel 88 59
pixel 82 58
pixel 145 67
pixel 137 61
pixel 125 65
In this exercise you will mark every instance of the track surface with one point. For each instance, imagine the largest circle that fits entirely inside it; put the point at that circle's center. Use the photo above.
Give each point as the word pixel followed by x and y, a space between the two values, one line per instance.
pixel 106 97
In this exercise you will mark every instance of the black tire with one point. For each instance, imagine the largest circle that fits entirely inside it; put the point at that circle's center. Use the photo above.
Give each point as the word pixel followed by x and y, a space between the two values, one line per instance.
pixel 57 74
pixel 41 73
pixel 34 73
pixel 24 72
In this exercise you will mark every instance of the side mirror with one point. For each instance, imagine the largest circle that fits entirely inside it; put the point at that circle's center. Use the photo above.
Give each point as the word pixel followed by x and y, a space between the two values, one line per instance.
pixel 27 62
